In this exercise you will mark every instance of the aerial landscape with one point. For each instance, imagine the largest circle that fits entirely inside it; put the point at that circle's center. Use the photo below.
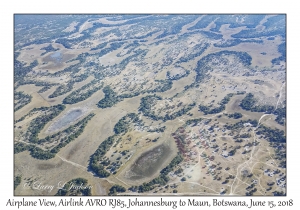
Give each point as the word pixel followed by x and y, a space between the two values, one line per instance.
pixel 148 104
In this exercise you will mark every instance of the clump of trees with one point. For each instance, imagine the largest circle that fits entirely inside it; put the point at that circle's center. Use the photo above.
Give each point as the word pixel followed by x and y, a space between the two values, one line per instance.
pixel 193 121
pixel 279 193
pixel 110 98
pixel 68 190
pixel 113 46
pixel 48 48
pixel 158 130
pixel 178 159
pixel 272 135
pixel 179 113
pixel 46 85
pixel 123 124
pixel 62 89
pixel 206 63
pixel 147 102
pixel 20 69
pixel 177 76
pixel 20 147
pixel 245 135
pixel 17 181
pixel 116 189
pixel 100 46
pixel 281 115
pixel 282 51
pixel 83 93
pixel 248 104
pixel 95 159
pixel 199 48
pixel 234 42
pixel 207 110
pixel 37 124
pixel 21 99
pixel 39 153
pixel 235 115
pixel 163 86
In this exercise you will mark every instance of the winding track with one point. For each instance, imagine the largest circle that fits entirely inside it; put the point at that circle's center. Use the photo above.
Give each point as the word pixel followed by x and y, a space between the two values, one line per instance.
pixel 254 138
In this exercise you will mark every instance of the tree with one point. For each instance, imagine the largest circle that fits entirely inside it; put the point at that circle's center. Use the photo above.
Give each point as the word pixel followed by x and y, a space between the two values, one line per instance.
pixel 116 189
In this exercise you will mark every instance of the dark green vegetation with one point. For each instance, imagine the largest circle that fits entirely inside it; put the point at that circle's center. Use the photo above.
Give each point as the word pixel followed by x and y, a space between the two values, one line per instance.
pixel 95 165
pixel 177 76
pixel 111 98
pixel 46 85
pixel 193 121
pixel 21 99
pixel 158 129
pixel 279 193
pixel 75 187
pixel 113 46
pixel 62 89
pixel 282 50
pixel 198 49
pixel 20 69
pixel 48 48
pixel 207 110
pixel 235 115
pixel 83 93
pixel 20 147
pixel 122 125
pixel 116 189
pixel 281 115
pixel 172 165
pixel 17 181
pixel 176 28
pixel 248 104
pixel 272 135
pixel 212 60
pixel 45 88
pixel 37 124
pixel 277 140
pixel 234 42
pixel 150 100
pixel 100 46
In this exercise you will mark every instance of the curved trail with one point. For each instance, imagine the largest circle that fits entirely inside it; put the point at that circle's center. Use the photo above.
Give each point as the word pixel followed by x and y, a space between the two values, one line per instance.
pixel 72 163
pixel 251 158
pixel 82 167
